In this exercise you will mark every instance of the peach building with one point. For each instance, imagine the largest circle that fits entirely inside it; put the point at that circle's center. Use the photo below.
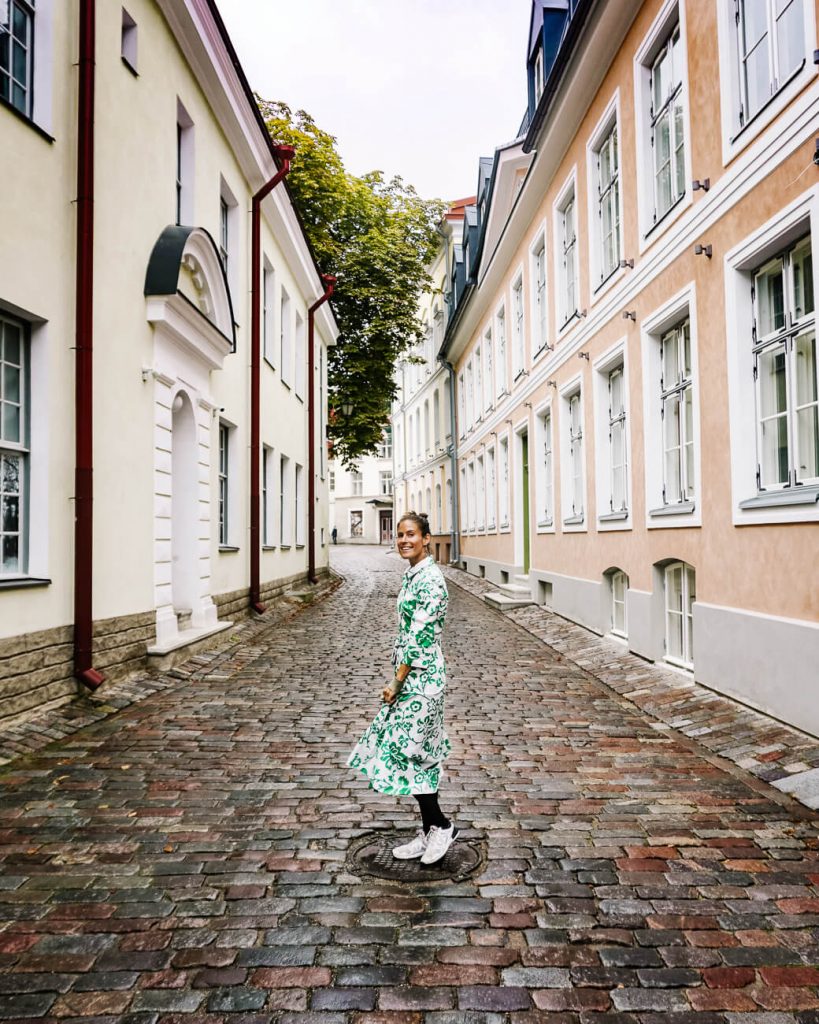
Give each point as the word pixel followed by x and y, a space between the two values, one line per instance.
pixel 634 342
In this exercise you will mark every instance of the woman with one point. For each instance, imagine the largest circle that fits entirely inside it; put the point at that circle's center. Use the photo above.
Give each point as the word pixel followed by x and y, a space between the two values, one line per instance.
pixel 402 750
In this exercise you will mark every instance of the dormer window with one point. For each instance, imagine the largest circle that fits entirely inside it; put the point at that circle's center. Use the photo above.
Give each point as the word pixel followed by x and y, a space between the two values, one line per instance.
pixel 538 76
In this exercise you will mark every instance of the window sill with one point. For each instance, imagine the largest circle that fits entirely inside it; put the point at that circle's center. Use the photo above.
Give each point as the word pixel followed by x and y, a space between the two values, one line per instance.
pixel 761 110
pixel 269 362
pixel 681 508
pixel 520 375
pixel 300 397
pixel 613 517
pixel 26 120
pixel 284 547
pixel 130 67
pixel 663 220
pixel 800 495
pixel 268 547
pixel 545 524
pixel 227 548
pixel 545 347
pixel 574 521
pixel 21 582
pixel 299 547
pixel 288 386
pixel 678 665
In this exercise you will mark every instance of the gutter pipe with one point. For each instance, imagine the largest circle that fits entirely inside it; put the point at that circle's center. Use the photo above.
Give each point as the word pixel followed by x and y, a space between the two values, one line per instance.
pixel 284 154
pixel 83 379
pixel 329 283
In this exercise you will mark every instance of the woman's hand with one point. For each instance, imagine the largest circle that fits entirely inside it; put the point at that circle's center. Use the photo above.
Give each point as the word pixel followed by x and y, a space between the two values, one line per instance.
pixel 389 694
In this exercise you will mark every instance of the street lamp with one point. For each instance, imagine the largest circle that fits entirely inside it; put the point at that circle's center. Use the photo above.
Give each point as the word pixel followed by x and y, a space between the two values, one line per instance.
pixel 347 409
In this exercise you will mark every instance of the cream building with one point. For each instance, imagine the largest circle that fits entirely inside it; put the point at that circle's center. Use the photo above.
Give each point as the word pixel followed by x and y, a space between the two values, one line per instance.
pixel 421 414
pixel 131 152
pixel 361 499
pixel 643 454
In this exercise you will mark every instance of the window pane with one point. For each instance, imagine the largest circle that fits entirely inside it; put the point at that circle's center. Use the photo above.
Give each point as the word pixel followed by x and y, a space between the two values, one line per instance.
pixel 10 481
pixel 671 359
pixel 754 22
pixel 4 54
pixel 679 151
pixel 18 97
pixel 662 162
pixel 790 36
pixel 10 514
pixel 688 400
pixel 770 297
pixel 661 79
pixel 11 554
pixel 18 63
pixel 757 77
pixel 773 406
pixel 807 416
pixel 671 422
pixel 802 263
pixel 10 426
pixel 11 384
pixel 19 25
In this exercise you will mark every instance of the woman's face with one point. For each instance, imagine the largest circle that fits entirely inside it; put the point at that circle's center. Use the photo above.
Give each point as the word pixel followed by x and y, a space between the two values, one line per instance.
pixel 410 541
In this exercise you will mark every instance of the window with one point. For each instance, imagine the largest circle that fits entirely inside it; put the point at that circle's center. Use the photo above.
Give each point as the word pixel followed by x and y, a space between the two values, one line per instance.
pixel 464 502
pixel 785 370
pixel 285 498
pixel 439 511
pixel 301 356
pixel 473 496
pixel 491 491
pixel 449 504
pixel 356 523
pixel 357 478
pixel 504 483
pixel 461 406
pixel 538 75
pixel 184 166
pixel 384 449
pixel 17 54
pixel 267 496
pixel 677 413
pixel 128 48
pixel 447 410
pixel 436 419
pixel 285 338
pixel 229 243
pixel 573 461
pixel 14 449
pixel 567 258
pixel 224 231
pixel 224 483
pixel 618 451
pixel 470 397
pixel 619 585
pixel 667 132
pixel 517 311
pixel 385 482
pixel 268 280
pixel 478 383
pixel 680 595
pixel 480 470
pixel 427 431
pixel 299 507
pixel 770 40
pixel 539 278
pixel 500 338
pixel 545 477
pixel 331 480
pixel 487 377
pixel 608 204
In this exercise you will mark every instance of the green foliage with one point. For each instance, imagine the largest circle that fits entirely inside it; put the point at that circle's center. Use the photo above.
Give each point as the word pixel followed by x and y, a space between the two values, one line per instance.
pixel 377 237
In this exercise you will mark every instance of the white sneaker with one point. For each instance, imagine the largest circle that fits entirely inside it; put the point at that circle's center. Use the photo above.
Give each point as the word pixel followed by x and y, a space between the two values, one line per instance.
pixel 438 842
pixel 413 849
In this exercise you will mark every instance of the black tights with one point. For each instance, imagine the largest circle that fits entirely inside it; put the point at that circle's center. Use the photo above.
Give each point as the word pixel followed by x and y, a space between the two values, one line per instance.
pixel 431 813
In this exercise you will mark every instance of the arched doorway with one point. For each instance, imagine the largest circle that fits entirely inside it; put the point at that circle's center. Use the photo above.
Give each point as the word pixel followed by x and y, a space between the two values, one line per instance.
pixel 184 511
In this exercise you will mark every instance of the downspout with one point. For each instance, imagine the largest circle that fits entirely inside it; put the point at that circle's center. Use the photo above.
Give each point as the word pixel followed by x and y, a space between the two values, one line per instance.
pixel 285 155
pixel 329 283
pixel 84 380
pixel 453 455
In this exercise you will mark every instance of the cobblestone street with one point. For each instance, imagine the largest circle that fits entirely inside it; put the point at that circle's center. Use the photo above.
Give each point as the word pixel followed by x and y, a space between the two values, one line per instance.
pixel 186 858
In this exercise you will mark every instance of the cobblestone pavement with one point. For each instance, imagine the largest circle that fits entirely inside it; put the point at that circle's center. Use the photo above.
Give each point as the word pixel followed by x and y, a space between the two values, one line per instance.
pixel 185 860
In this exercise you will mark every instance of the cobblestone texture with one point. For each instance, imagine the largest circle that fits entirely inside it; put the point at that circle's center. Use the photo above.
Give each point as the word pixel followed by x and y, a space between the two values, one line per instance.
pixel 184 860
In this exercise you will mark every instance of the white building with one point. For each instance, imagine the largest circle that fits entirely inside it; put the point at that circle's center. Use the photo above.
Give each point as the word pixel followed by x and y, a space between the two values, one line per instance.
pixel 361 499
pixel 134 259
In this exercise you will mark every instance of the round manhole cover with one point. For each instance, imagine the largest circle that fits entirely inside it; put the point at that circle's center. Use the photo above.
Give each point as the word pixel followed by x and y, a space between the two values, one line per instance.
pixel 372 855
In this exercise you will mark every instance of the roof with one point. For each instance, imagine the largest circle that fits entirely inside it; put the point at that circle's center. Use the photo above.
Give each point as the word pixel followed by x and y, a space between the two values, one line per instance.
pixel 458 206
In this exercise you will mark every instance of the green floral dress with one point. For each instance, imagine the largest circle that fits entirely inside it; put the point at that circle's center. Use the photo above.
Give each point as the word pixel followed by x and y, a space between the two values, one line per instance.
pixel 402 749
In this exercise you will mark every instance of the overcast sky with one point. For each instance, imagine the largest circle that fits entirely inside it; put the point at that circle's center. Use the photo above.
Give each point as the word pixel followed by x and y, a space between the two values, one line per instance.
pixel 420 88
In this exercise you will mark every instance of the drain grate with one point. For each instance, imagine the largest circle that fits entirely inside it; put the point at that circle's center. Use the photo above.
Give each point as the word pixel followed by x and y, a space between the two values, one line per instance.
pixel 372 855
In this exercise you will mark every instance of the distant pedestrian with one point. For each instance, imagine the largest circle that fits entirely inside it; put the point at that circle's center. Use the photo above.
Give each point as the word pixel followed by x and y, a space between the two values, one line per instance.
pixel 334 534
pixel 402 749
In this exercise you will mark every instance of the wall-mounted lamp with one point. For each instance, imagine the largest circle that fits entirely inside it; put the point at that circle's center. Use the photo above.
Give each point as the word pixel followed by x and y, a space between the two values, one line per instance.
pixel 583 355
pixel 552 383
pixel 629 314
pixel 147 373
pixel 508 421
pixel 701 183
pixel 528 405
pixel 582 313
pixel 627 263
pixel 546 347
pixel 703 250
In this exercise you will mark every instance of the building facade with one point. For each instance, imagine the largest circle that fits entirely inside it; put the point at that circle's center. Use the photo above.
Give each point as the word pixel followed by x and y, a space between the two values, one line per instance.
pixel 421 413
pixel 642 455
pixel 186 529
pixel 361 499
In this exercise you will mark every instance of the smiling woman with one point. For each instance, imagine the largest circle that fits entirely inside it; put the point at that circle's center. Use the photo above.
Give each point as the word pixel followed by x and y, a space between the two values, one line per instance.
pixel 402 749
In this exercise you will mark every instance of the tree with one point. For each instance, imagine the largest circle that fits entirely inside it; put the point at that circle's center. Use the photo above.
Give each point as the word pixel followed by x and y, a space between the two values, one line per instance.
pixel 377 237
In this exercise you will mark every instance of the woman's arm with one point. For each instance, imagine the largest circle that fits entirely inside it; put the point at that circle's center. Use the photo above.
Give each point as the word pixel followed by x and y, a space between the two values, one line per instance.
pixel 390 692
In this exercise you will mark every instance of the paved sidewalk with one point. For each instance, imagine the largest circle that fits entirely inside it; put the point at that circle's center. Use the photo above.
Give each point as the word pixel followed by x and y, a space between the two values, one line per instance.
pixel 185 859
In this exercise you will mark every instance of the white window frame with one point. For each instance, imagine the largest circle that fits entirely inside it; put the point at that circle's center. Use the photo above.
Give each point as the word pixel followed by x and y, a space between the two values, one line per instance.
pixel 28 46
pixel 736 137
pixel 491 490
pixel 602 278
pixel 268 314
pixel 685 659
pixel 356 483
pixel 285 502
pixel 229 240
pixel 518 307
pixel 470 396
pixel 504 503
pixel 671 17
pixel 618 579
pixel 660 515
pixel 538 74
pixel 285 337
pixel 488 379
pixel 501 343
pixel 464 496
pixel 299 505
pixel 224 506
pixel 478 364
pixel 574 513
pixel 775 235
pixel 613 359
pixel 473 496
pixel 185 161
pixel 461 406
pixel 538 256
pixel 385 482
pixel 300 355
pixel 566 259
pixel 19 449
pixel 543 459
pixel 268 490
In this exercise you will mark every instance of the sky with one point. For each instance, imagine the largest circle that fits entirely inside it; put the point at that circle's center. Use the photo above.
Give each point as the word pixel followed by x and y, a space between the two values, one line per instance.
pixel 421 88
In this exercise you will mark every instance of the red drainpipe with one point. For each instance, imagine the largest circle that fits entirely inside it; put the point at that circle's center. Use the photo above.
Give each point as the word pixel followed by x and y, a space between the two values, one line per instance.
pixel 329 283
pixel 284 154
pixel 83 381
